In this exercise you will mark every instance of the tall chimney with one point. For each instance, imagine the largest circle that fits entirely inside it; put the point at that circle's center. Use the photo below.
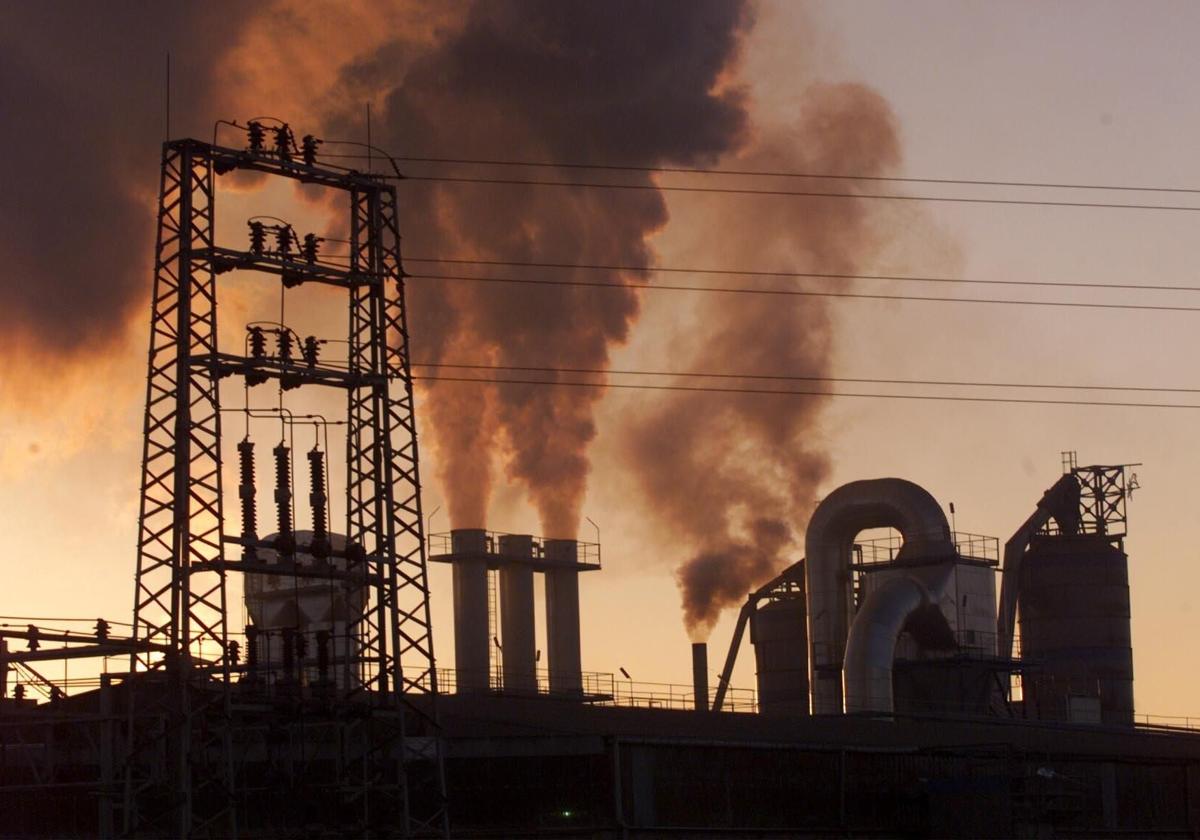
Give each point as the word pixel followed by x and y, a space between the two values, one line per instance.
pixel 471 637
pixel 516 615
pixel 562 616
pixel 700 675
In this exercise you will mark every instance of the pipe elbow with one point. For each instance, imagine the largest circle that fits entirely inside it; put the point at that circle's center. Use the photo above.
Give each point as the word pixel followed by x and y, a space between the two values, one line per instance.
pixel 871 646
pixel 828 542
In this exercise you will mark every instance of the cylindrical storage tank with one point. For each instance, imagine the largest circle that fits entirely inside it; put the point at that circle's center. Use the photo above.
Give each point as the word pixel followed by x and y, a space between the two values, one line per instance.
pixel 1073 603
pixel 562 616
pixel 306 605
pixel 516 615
pixel 779 633
pixel 471 663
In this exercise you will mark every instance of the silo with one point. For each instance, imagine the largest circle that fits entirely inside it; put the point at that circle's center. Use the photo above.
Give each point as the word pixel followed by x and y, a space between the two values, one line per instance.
pixel 1073 604
pixel 779 633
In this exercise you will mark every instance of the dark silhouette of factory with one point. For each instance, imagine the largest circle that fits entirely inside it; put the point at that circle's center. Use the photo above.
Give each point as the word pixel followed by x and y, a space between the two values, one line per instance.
pixel 928 683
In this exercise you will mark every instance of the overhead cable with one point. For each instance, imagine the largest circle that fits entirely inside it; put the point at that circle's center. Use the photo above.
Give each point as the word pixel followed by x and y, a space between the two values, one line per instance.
pixel 798 378
pixel 1024 202
pixel 817 275
pixel 781 173
pixel 798 393
pixel 742 290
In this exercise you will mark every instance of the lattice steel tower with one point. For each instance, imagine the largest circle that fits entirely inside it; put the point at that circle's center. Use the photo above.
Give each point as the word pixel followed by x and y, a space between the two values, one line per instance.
pixel 196 752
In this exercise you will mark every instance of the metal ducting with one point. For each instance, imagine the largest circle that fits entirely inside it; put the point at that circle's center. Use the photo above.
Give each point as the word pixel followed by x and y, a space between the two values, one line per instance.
pixel 852 508
pixel 902 603
pixel 1061 503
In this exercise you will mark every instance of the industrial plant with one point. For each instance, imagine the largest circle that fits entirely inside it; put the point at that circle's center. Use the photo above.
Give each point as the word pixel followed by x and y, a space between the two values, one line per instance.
pixel 923 682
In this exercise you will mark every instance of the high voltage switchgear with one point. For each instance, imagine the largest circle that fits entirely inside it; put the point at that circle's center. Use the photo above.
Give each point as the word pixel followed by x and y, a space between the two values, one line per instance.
pixel 369 671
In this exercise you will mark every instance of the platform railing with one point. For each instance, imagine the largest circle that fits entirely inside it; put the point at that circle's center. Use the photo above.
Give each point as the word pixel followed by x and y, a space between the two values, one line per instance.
pixel 587 553
pixel 883 550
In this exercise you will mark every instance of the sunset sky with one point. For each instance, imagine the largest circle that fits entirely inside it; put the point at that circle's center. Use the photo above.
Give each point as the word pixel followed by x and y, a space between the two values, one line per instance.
pixel 1098 93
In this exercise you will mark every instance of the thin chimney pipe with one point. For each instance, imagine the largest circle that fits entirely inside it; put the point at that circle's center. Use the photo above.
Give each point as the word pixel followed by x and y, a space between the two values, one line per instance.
pixel 700 675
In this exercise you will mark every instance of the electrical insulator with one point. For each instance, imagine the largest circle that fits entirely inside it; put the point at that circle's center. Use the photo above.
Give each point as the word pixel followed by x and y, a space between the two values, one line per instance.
pixel 101 630
pixel 285 345
pixel 318 499
pixel 311 247
pixel 246 491
pixel 283 239
pixel 19 692
pixel 258 343
pixel 258 238
pixel 235 653
pixel 283 143
pixel 285 543
pixel 34 644
pixel 308 149
pixel 257 135
pixel 310 351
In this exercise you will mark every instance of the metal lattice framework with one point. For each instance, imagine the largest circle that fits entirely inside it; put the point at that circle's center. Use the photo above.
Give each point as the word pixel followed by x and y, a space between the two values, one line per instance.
pixel 391 755
pixel 1102 499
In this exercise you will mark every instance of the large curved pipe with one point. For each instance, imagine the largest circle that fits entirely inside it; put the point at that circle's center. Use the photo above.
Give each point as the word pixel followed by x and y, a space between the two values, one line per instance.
pixel 871 647
pixel 852 508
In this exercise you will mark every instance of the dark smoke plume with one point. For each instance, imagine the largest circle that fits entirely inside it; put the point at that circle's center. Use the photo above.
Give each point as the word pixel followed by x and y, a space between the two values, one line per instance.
pixel 82 94
pixel 628 82
pixel 735 474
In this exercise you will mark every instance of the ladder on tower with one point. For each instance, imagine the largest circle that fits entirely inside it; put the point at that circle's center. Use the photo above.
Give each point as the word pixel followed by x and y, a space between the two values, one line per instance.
pixel 495 672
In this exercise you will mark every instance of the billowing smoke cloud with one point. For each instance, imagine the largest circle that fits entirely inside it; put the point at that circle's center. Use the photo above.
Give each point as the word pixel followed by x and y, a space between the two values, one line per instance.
pixel 82 93
pixel 628 82
pixel 736 473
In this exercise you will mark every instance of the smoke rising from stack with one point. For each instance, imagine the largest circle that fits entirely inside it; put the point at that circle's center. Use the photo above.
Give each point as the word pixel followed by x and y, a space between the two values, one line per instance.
pixel 635 83
pixel 735 474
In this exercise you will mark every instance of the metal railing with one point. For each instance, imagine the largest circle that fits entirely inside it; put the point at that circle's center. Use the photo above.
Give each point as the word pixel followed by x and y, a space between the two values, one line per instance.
pixel 969 546
pixel 587 553
pixel 606 689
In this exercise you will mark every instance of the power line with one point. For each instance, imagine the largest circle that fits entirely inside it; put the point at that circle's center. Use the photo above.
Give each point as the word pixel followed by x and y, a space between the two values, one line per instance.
pixel 530 182
pixel 795 378
pixel 780 173
pixel 739 272
pixel 794 393
pixel 804 293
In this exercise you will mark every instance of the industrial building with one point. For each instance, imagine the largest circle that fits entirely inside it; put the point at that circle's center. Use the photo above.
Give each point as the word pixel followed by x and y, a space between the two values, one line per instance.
pixel 930 683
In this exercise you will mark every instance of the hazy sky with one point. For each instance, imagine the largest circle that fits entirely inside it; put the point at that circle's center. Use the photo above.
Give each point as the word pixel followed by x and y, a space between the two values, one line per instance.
pixel 1080 92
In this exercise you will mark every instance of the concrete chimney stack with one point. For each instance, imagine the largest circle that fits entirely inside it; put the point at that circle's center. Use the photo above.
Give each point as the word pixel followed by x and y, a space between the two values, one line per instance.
pixel 516 615
pixel 700 675
pixel 471 642
pixel 562 616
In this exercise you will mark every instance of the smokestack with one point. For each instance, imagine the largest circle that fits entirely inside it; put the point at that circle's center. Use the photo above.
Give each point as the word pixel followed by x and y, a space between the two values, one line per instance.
pixel 516 615
pixel 562 616
pixel 700 675
pixel 471 643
